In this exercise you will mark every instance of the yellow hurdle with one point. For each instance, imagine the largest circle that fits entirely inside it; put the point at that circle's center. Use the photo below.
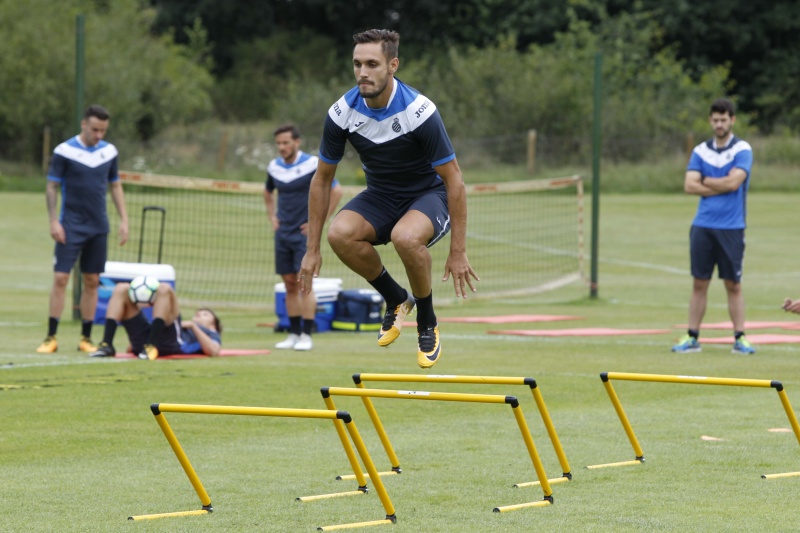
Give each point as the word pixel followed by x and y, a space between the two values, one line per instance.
pixel 606 377
pixel 359 380
pixel 327 392
pixel 341 417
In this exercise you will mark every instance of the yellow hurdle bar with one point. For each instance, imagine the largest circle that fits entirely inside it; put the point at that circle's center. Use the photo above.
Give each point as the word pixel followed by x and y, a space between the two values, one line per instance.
pixel 341 417
pixel 606 377
pixel 359 380
pixel 327 392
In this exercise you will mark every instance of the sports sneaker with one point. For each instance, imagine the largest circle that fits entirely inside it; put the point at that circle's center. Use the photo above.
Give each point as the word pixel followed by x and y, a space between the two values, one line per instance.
pixel 430 349
pixel 104 350
pixel 304 343
pixel 393 321
pixel 149 352
pixel 687 344
pixel 743 347
pixel 86 345
pixel 49 345
pixel 289 343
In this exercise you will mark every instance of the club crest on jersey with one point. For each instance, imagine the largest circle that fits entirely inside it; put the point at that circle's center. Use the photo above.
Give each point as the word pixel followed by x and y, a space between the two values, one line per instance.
pixel 396 125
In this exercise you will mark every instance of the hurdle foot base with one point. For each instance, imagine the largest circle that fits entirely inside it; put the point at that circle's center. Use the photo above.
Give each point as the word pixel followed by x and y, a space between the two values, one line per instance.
pixel 207 509
pixel 357 492
pixel 390 519
pixel 546 501
pixel 637 461
pixel 396 470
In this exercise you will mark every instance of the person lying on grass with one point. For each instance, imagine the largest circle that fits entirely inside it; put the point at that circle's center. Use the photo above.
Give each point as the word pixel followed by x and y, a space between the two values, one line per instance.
pixel 167 334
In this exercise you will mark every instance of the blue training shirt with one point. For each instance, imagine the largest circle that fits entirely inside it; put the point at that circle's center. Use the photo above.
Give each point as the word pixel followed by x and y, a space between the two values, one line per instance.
pixel 399 144
pixel 84 173
pixel 190 344
pixel 293 181
pixel 728 210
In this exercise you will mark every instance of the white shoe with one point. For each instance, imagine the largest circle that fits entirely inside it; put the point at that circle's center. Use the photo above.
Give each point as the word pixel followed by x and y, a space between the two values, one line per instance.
pixel 304 344
pixel 289 343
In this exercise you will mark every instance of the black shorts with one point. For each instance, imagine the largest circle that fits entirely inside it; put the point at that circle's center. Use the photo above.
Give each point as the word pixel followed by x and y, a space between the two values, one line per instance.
pixel 289 252
pixel 92 249
pixel 383 211
pixel 721 247
pixel 138 329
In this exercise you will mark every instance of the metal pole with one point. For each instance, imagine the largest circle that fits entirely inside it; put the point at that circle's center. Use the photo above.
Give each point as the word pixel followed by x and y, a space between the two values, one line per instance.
pixel 598 67
pixel 79 68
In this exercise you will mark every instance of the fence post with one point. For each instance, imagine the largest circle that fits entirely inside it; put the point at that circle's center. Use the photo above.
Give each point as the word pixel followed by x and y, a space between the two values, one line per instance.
pixel 223 148
pixel 45 150
pixel 531 151
pixel 689 144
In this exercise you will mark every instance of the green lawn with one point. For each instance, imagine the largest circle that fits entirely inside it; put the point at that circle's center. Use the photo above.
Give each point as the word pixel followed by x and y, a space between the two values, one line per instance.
pixel 81 451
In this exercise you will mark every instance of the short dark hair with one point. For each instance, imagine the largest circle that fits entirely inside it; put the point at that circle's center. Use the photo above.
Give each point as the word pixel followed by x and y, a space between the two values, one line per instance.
pixel 96 111
pixel 390 41
pixel 217 322
pixel 291 128
pixel 723 105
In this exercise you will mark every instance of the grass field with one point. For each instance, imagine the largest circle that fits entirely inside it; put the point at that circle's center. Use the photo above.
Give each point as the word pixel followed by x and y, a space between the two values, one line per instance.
pixel 80 450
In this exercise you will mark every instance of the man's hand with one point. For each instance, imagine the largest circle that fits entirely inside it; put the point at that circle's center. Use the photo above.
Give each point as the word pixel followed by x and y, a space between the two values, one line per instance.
pixel 57 232
pixel 793 306
pixel 123 233
pixel 309 269
pixel 463 275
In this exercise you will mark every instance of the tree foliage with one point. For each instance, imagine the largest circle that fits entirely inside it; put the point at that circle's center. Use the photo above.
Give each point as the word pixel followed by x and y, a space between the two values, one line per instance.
pixel 145 81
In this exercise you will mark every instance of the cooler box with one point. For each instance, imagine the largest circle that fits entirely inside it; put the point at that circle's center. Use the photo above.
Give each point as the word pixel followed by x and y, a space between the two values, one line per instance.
pixel 116 272
pixel 327 292
pixel 359 310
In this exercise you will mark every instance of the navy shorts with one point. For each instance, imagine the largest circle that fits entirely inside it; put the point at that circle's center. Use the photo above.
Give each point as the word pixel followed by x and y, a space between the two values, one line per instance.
pixel 383 211
pixel 289 252
pixel 138 329
pixel 92 249
pixel 721 247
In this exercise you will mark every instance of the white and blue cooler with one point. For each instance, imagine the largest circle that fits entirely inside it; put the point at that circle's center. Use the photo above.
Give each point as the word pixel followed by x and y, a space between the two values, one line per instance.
pixel 327 292
pixel 117 272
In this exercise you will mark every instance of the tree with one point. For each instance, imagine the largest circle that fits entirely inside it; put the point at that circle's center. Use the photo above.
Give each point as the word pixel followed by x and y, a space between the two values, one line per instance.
pixel 145 81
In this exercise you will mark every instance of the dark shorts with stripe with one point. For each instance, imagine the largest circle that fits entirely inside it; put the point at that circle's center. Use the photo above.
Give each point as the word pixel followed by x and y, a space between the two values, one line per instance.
pixel 91 248
pixel 383 211
pixel 138 329
pixel 723 248
pixel 289 252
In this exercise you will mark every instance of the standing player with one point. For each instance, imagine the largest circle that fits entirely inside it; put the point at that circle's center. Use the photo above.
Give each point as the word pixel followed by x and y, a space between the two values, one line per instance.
pixel 718 172
pixel 82 168
pixel 291 175
pixel 415 192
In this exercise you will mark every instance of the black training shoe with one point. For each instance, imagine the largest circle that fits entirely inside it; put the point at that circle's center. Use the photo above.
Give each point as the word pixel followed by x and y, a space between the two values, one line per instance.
pixel 430 349
pixel 104 350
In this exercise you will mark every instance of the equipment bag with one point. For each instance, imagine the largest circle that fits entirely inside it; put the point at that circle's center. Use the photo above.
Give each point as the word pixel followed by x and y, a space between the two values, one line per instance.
pixel 358 310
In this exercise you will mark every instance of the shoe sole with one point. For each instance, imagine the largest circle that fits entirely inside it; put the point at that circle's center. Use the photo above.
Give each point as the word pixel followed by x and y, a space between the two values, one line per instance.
pixel 690 350
pixel 739 352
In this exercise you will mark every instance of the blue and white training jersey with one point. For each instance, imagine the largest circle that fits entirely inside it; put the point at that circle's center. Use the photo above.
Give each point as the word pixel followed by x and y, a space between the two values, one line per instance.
pixel 84 173
pixel 188 340
pixel 293 182
pixel 399 144
pixel 728 210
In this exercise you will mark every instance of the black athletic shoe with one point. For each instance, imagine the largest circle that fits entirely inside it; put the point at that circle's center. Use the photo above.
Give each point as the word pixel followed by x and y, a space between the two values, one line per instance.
pixel 104 350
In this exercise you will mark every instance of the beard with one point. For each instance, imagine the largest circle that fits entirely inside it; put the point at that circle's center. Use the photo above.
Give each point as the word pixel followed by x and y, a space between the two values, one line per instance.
pixel 367 92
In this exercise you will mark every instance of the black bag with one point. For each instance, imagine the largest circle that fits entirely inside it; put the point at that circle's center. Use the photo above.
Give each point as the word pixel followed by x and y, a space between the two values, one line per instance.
pixel 358 310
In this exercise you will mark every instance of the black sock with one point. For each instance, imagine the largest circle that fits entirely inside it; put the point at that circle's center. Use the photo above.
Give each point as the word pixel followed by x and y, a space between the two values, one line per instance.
pixel 156 327
pixel 52 326
pixel 694 333
pixel 294 324
pixel 308 325
pixel 391 291
pixel 86 328
pixel 426 318
pixel 737 334
pixel 109 331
